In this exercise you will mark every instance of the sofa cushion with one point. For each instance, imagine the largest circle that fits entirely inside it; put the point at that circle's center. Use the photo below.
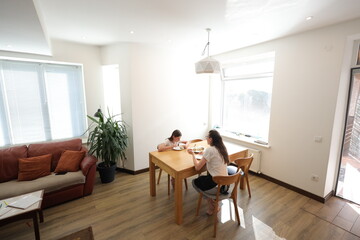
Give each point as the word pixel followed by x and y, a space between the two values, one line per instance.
pixel 34 167
pixel 70 161
pixel 9 165
pixel 49 183
pixel 55 148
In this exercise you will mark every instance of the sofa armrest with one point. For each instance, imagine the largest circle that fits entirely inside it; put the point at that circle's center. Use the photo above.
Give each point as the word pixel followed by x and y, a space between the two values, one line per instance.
pixel 87 163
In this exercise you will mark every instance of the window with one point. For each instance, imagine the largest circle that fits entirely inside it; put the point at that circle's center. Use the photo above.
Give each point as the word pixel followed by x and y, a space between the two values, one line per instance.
pixel 246 91
pixel 40 102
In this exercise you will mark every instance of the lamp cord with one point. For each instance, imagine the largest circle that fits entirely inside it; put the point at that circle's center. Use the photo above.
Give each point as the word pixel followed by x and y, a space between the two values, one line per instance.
pixel 207 44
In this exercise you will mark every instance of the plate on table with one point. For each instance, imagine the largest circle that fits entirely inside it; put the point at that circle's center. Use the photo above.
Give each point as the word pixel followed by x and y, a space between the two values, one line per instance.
pixel 177 148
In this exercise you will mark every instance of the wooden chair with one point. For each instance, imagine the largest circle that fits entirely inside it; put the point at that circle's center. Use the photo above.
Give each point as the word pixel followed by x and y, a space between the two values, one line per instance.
pixel 221 181
pixel 195 140
pixel 185 181
pixel 244 164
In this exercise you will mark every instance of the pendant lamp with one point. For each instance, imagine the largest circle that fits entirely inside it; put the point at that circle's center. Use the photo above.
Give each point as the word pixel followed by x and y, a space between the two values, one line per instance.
pixel 208 64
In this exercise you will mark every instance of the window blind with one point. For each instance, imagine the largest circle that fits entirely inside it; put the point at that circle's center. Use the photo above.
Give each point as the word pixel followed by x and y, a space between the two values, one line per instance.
pixel 40 102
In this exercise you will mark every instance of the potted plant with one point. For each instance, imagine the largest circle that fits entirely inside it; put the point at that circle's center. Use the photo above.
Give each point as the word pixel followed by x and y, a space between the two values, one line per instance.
pixel 107 141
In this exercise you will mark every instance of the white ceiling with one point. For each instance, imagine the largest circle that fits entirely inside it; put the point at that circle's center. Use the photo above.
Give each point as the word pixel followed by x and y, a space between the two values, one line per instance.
pixel 234 23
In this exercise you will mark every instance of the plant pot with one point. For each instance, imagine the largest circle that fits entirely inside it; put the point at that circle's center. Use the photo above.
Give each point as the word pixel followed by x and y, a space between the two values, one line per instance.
pixel 107 174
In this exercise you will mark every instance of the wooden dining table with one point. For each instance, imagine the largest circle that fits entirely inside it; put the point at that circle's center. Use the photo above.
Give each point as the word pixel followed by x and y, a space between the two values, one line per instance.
pixel 179 165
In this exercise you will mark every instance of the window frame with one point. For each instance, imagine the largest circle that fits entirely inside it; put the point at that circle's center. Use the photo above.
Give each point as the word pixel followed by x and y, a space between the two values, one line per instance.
pixel 8 140
pixel 223 79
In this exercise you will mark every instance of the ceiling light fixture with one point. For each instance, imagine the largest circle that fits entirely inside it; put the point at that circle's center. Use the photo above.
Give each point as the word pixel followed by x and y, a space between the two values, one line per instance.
pixel 208 64
pixel 309 18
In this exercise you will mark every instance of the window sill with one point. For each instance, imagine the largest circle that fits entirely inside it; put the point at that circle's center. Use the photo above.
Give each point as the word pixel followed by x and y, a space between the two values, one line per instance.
pixel 242 139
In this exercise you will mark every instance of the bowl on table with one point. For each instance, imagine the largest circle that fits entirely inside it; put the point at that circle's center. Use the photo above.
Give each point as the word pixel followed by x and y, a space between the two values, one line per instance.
pixel 198 149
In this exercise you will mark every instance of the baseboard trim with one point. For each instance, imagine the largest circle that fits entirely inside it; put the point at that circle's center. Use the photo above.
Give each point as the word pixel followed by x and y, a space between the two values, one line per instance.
pixel 296 189
pixel 132 171
pixel 274 180
pixel 329 195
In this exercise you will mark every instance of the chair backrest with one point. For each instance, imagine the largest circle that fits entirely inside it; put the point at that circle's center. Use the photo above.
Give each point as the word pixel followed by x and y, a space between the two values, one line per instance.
pixel 244 163
pixel 227 180
pixel 195 140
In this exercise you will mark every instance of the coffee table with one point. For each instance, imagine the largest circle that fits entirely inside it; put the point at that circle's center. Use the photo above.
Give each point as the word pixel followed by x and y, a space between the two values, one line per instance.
pixel 31 212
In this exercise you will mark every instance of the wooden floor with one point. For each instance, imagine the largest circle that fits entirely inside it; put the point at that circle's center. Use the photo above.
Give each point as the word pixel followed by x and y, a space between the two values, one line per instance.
pixel 124 209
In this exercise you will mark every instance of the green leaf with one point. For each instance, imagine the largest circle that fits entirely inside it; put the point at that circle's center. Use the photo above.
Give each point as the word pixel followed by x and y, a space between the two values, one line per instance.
pixel 107 139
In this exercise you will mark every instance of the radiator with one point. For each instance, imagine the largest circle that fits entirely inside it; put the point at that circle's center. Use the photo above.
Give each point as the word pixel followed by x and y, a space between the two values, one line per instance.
pixel 256 163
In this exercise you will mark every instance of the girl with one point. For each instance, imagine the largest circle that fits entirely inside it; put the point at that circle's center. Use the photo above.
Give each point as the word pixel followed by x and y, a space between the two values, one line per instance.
pixel 216 160
pixel 172 141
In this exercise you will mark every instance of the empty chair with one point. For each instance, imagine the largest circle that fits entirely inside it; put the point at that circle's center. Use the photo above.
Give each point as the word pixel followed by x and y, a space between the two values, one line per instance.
pixel 195 140
pixel 244 164
pixel 160 171
pixel 222 181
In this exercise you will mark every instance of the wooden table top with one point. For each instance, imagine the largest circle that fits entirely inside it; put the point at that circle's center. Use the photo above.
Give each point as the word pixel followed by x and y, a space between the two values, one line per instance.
pixel 182 160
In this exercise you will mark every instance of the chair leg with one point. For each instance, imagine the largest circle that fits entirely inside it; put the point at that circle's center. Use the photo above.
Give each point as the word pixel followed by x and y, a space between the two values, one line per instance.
pixel 236 209
pixel 199 204
pixel 160 171
pixel 185 183
pixel 215 217
pixel 241 180
pixel 248 185
pixel 168 185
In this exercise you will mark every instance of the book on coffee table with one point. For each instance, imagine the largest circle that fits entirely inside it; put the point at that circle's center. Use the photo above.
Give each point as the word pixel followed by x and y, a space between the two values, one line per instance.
pixel 24 202
pixel 3 208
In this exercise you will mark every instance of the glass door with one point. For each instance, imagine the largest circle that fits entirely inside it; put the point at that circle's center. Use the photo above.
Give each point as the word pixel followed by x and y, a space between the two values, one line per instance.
pixel 349 171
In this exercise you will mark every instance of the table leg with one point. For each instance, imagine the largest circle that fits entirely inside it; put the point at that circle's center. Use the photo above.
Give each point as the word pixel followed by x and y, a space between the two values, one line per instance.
pixel 41 216
pixel 36 226
pixel 178 200
pixel 242 183
pixel 152 177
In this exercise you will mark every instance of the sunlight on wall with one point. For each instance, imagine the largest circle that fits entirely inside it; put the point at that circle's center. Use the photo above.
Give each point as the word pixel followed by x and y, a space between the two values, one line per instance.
pixel 111 84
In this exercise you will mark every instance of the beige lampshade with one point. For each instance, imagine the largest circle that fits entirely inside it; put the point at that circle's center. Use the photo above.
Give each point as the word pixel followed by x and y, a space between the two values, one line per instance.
pixel 207 65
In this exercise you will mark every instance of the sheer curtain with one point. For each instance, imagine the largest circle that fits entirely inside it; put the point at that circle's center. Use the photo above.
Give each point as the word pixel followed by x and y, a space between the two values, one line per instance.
pixel 40 102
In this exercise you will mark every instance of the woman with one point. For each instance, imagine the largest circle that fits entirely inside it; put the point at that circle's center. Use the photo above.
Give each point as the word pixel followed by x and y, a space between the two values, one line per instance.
pixel 172 141
pixel 216 160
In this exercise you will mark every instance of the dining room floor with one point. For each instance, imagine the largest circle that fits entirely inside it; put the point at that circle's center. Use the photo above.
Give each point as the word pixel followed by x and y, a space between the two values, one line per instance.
pixel 124 209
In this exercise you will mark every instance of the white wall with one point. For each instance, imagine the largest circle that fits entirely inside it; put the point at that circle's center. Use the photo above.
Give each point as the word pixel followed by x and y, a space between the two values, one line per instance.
pixel 161 92
pixel 166 95
pixel 120 54
pixel 305 89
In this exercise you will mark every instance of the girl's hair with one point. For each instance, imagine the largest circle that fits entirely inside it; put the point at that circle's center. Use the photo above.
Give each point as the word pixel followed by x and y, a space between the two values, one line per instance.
pixel 217 142
pixel 175 133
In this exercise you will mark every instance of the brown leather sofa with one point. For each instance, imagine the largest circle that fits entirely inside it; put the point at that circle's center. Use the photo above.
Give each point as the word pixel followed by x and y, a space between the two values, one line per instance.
pixel 57 188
